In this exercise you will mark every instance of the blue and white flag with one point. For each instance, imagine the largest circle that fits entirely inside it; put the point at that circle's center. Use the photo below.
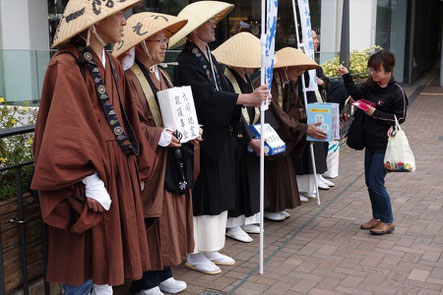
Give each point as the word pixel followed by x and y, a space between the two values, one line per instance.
pixel 271 29
pixel 305 22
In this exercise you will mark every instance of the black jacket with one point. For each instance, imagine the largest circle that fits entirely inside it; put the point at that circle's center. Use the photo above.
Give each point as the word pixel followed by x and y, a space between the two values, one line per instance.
pixel 389 101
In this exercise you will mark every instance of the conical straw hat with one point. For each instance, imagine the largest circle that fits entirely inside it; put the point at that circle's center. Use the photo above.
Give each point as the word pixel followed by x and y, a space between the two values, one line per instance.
pixel 81 14
pixel 241 50
pixel 292 57
pixel 198 13
pixel 143 25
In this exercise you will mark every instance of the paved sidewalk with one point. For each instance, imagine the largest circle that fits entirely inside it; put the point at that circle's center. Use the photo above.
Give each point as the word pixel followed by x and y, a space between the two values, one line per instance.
pixel 321 250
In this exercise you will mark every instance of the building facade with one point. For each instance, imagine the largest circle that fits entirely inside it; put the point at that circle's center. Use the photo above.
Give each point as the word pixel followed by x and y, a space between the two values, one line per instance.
pixel 403 26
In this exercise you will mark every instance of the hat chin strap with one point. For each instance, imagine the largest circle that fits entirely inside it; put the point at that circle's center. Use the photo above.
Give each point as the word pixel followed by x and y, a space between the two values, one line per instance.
pixel 153 68
pixel 92 30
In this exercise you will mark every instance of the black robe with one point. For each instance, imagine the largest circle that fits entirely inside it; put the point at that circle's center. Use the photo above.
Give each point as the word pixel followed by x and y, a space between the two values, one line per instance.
pixel 303 163
pixel 214 189
pixel 247 200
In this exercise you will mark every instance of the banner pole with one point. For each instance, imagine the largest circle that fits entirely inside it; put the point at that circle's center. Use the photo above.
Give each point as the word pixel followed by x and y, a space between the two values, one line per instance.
pixel 305 98
pixel 262 141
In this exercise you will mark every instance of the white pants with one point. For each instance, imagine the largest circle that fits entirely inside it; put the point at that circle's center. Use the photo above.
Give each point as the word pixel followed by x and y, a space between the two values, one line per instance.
pixel 243 220
pixel 209 232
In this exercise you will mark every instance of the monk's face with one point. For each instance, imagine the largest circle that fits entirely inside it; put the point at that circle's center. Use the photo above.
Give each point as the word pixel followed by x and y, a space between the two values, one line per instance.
pixel 157 45
pixel 248 71
pixel 111 28
pixel 293 73
pixel 206 32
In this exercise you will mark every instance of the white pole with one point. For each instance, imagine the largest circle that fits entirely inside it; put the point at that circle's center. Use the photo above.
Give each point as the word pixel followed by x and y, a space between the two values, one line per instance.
pixel 302 77
pixel 262 142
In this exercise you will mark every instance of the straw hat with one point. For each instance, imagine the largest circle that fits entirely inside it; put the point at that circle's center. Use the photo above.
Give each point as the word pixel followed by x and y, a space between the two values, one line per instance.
pixel 292 57
pixel 241 50
pixel 81 14
pixel 141 26
pixel 198 13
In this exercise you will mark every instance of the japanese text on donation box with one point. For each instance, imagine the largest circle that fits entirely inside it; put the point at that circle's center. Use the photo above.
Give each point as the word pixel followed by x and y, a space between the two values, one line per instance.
pixel 328 115
pixel 178 112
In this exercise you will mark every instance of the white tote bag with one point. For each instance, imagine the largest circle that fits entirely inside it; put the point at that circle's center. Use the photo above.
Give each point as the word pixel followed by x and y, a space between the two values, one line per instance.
pixel 399 156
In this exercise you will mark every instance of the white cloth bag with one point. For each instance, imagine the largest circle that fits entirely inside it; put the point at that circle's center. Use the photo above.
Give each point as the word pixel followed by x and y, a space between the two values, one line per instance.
pixel 398 156
pixel 332 159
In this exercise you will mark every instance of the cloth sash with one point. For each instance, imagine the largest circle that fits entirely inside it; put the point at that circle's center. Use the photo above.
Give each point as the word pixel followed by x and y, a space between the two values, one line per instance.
pixel 279 90
pixel 153 105
pixel 126 140
pixel 244 110
pixel 205 64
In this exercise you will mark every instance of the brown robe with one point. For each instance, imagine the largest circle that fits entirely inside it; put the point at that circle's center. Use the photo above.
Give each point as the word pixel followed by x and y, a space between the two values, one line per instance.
pixel 171 236
pixel 280 182
pixel 73 140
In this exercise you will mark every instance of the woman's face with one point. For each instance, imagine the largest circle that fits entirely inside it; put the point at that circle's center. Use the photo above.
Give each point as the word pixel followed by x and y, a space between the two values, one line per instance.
pixel 380 74
pixel 157 45
pixel 293 73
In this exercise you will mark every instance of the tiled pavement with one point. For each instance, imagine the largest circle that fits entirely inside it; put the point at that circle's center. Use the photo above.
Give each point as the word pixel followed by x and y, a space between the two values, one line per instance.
pixel 321 250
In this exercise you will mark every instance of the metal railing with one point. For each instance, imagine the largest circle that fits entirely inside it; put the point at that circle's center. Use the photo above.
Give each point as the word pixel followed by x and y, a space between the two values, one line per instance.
pixel 20 220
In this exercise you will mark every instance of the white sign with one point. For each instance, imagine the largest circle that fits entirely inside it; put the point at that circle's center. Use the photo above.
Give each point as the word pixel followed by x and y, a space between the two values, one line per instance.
pixel 308 45
pixel 178 112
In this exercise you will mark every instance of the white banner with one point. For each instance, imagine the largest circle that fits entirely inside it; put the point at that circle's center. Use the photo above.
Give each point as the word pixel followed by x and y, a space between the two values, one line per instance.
pixel 305 23
pixel 271 25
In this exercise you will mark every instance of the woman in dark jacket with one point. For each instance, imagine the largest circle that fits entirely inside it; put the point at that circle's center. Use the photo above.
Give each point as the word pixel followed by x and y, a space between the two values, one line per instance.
pixel 390 101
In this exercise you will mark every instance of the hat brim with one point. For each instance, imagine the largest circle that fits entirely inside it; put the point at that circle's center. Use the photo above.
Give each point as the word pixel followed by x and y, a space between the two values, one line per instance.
pixel 142 26
pixel 292 57
pixel 79 15
pixel 193 13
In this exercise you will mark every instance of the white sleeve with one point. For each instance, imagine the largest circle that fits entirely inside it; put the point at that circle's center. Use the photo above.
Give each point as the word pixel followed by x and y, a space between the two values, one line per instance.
pixel 95 189
pixel 165 138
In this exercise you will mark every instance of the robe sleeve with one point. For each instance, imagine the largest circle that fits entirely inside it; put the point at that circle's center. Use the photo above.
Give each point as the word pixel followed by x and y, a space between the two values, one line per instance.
pixel 292 132
pixel 356 92
pixel 66 148
pixel 215 109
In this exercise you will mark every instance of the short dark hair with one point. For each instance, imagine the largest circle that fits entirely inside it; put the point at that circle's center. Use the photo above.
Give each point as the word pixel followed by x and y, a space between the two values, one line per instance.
pixel 383 58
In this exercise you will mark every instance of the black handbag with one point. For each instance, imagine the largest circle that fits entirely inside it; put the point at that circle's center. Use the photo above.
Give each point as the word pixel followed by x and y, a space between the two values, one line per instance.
pixel 356 132
pixel 179 169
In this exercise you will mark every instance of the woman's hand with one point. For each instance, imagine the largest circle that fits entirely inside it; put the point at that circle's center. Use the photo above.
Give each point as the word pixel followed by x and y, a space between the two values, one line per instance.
pixel 370 111
pixel 342 70
pixel 320 82
pixel 313 131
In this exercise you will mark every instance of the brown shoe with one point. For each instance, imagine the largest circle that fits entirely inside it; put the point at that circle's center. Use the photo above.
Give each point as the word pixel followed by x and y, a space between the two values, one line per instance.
pixel 383 228
pixel 370 224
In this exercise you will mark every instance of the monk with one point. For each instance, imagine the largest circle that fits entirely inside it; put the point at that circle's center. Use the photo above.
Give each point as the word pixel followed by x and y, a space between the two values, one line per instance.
pixel 218 109
pixel 168 214
pixel 87 172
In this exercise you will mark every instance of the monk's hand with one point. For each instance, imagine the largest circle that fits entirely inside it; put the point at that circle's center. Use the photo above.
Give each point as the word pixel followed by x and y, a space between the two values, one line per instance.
pixel 200 134
pixel 370 111
pixel 320 82
pixel 174 140
pixel 341 70
pixel 255 98
pixel 313 131
pixel 94 205
pixel 255 145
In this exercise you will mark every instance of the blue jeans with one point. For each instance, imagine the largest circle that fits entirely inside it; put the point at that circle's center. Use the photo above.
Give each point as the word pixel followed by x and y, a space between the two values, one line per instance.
pixel 84 289
pixel 375 181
